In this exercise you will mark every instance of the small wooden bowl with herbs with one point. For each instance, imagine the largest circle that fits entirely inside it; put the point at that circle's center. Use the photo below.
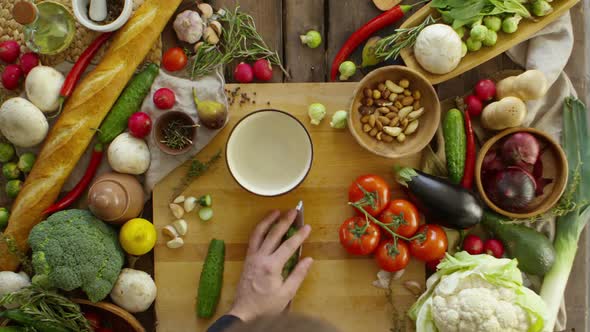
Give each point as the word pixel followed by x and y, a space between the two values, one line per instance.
pixel 175 132
pixel 395 112
pixel 521 172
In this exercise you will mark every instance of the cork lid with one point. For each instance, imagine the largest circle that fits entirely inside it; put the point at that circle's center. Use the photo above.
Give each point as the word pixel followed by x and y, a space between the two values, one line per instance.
pixel 107 199
pixel 24 12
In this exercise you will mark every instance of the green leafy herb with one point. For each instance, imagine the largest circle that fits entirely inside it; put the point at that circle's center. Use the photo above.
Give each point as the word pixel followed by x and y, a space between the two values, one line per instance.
pixel 196 168
pixel 391 46
pixel 466 12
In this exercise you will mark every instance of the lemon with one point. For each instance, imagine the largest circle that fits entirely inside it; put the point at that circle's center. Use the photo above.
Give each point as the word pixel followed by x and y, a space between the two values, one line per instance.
pixel 137 236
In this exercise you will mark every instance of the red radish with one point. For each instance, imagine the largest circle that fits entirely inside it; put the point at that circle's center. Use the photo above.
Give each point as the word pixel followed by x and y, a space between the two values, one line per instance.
pixel 9 51
pixel 164 98
pixel 243 73
pixel 12 76
pixel 494 248
pixel 521 148
pixel 29 61
pixel 473 244
pixel 474 105
pixel 139 124
pixel 431 265
pixel 262 70
pixel 485 90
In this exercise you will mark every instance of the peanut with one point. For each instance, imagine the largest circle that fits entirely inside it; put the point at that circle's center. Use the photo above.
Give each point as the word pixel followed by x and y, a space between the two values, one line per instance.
pixel 416 104
pixel 367 92
pixel 400 97
pixel 392 131
pixel 407 92
pixel 411 128
pixel 398 105
pixel 368 101
pixel 401 137
pixel 386 138
pixel 373 132
pixel 384 120
pixel 378 124
pixel 393 87
pixel 376 94
pixel 394 122
pixel 385 94
pixel 392 96
pixel 391 115
pixel 381 87
pixel 366 110
pixel 365 119
pixel 417 95
pixel 378 136
pixel 383 110
pixel 404 83
pixel 404 123
pixel 372 119
pixel 366 128
pixel 407 101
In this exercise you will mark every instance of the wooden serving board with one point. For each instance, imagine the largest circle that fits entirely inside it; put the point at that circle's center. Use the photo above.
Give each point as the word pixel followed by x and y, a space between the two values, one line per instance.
pixel 339 287
pixel 526 29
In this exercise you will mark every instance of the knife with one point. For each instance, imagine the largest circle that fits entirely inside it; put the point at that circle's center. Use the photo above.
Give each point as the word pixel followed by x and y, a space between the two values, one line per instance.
pixel 299 223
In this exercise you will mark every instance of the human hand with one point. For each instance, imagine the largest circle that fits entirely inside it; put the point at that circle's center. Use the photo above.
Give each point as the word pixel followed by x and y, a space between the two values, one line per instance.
pixel 262 290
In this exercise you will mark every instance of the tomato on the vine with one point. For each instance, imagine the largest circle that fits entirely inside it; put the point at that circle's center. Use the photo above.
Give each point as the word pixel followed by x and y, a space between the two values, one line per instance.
pixel 371 192
pixel 359 236
pixel 174 59
pixel 401 216
pixel 430 243
pixel 391 257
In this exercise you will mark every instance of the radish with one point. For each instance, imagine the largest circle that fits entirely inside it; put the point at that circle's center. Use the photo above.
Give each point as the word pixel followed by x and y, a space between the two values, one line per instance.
pixel 262 70
pixel 12 76
pixel 243 73
pixel 164 98
pixel 521 148
pixel 139 124
pixel 494 248
pixel 28 61
pixel 473 244
pixel 485 90
pixel 474 105
pixel 513 189
pixel 9 51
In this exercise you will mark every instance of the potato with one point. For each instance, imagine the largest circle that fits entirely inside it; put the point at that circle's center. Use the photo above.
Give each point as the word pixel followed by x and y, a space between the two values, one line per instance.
pixel 529 85
pixel 506 113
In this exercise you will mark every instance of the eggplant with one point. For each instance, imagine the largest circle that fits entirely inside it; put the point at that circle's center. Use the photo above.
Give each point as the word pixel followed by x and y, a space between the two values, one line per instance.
pixel 441 201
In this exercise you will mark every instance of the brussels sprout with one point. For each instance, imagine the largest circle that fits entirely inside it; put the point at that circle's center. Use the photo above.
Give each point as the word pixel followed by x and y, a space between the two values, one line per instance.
pixel 478 32
pixel 316 113
pixel 339 119
pixel 346 69
pixel 510 24
pixel 493 23
pixel 473 45
pixel 6 152
pixel 4 215
pixel 541 8
pixel 13 187
pixel 312 39
pixel 10 171
pixel 26 161
pixel 491 38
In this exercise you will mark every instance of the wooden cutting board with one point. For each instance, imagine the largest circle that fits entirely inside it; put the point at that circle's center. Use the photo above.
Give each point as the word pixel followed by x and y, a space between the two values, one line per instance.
pixel 339 287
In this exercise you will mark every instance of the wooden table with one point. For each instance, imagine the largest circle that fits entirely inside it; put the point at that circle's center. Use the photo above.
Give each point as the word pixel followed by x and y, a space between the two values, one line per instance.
pixel 281 23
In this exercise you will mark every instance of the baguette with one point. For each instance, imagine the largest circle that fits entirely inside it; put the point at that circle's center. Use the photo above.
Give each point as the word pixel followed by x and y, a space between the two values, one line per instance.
pixel 83 112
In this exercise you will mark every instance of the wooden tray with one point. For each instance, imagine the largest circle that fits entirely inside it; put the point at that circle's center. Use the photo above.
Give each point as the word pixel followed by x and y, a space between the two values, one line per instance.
pixel 526 29
pixel 339 287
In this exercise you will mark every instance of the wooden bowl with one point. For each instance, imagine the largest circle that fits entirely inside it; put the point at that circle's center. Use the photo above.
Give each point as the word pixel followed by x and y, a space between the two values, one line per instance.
pixel 555 167
pixel 429 121
pixel 118 319
pixel 163 121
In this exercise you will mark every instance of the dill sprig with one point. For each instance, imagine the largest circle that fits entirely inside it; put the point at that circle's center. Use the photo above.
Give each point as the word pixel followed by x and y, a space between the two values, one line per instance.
pixel 239 40
pixel 391 46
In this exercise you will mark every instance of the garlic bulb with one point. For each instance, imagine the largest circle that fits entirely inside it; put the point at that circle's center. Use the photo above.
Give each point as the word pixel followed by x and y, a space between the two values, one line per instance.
pixel 188 26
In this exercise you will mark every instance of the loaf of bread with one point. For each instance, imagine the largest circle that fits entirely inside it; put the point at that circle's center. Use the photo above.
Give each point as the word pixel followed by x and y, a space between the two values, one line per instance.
pixel 83 112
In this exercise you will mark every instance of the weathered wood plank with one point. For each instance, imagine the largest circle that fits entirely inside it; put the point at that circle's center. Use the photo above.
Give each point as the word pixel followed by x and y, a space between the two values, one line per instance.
pixel 304 64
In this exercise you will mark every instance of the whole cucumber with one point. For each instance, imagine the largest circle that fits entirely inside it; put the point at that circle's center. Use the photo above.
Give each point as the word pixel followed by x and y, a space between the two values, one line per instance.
pixel 294 259
pixel 455 144
pixel 128 103
pixel 211 280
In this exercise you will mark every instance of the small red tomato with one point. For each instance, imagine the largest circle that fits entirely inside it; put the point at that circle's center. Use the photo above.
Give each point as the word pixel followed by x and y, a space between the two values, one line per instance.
pixel 474 105
pixel 359 236
pixel 431 265
pixel 473 244
pixel 372 191
pixel 174 59
pixel 392 258
pixel 243 73
pixel 262 70
pixel 139 124
pixel 94 319
pixel 485 90
pixel 494 248
pixel 164 98
pixel 431 244
pixel 402 216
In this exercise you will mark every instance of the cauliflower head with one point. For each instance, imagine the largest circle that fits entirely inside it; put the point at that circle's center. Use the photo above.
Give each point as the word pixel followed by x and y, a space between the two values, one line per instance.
pixel 478 293
pixel 72 249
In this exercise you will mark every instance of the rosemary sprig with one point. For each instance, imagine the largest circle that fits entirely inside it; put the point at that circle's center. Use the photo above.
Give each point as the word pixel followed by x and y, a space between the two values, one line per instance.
pixel 176 135
pixel 391 46
pixel 48 306
pixel 195 169
pixel 239 40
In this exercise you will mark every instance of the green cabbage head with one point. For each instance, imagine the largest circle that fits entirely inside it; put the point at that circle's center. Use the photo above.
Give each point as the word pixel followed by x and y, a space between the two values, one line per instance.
pixel 73 249
pixel 471 293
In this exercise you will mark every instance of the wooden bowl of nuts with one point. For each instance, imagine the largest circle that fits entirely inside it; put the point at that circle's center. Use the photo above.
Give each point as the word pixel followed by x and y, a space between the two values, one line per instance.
pixel 395 112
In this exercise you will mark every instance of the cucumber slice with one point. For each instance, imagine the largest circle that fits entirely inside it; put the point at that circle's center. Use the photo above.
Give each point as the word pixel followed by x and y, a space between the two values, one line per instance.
pixel 206 213
pixel 205 200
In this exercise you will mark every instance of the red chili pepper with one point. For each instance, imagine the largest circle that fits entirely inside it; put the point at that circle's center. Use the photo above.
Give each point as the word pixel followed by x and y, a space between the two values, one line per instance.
pixel 77 191
pixel 363 33
pixel 467 180
pixel 80 66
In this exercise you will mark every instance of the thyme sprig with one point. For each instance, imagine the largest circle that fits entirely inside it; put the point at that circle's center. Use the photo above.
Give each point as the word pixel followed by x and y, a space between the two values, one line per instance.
pixel 391 46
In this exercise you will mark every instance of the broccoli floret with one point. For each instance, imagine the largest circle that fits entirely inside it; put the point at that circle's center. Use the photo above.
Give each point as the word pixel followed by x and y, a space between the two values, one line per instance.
pixel 72 249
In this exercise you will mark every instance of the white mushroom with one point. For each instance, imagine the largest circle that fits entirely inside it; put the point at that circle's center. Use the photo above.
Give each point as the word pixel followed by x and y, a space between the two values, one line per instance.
pixel 134 290
pixel 43 85
pixel 22 123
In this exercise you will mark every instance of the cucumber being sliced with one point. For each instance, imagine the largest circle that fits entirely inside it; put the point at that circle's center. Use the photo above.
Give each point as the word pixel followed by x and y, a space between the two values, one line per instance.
pixel 206 213
pixel 205 200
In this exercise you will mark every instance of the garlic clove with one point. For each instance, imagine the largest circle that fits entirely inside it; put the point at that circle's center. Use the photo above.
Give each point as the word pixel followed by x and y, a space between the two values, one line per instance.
pixel 190 203
pixel 178 199
pixel 177 210
pixel 205 10
pixel 198 45
pixel 175 243
pixel 216 26
pixel 180 226
pixel 170 232
pixel 210 36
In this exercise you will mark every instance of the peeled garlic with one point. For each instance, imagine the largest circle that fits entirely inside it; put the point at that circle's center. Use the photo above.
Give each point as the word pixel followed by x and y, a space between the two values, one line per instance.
pixel 170 232
pixel 177 210
pixel 190 203
pixel 179 199
pixel 175 243
pixel 180 226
